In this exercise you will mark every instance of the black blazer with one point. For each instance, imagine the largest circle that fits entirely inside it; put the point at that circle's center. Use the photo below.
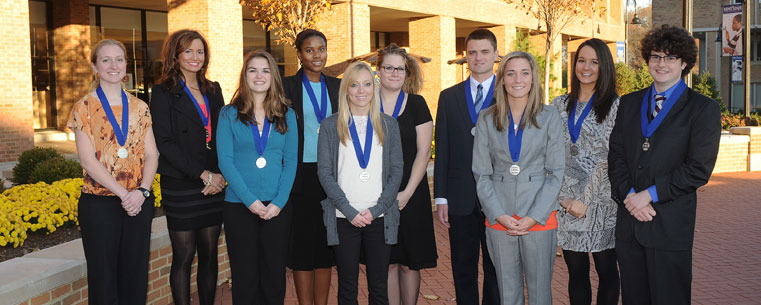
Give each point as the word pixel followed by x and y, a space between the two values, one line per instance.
pixel 294 91
pixel 179 132
pixel 680 159
pixel 453 176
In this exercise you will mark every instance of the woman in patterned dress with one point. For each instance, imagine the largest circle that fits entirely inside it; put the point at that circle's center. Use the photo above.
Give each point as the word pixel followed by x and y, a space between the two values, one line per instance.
pixel 588 218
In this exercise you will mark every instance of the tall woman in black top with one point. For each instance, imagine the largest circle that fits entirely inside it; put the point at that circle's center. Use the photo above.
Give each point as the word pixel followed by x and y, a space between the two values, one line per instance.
pixel 400 81
pixel 314 96
pixel 185 106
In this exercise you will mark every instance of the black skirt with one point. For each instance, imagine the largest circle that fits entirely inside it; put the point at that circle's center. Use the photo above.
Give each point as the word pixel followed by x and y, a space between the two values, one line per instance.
pixel 309 248
pixel 188 209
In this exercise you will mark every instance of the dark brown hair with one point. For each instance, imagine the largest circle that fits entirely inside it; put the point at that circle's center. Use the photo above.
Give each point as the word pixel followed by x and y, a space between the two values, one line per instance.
pixel 306 34
pixel 605 88
pixel 413 81
pixel 275 103
pixel 174 45
pixel 482 34
pixel 671 40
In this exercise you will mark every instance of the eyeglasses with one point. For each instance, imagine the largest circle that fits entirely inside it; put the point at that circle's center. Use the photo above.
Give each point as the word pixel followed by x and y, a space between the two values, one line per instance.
pixel 390 69
pixel 654 58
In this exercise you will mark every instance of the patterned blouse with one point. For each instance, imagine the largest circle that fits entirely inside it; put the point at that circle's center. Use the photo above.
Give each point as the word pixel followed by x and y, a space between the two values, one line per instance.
pixel 88 116
pixel 586 180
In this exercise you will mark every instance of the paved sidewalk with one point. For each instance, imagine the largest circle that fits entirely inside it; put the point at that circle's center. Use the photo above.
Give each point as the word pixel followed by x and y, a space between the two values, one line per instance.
pixel 726 257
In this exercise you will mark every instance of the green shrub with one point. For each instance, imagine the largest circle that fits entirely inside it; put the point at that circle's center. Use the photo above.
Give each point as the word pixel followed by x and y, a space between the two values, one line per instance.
pixel 643 79
pixel 705 84
pixel 28 160
pixel 55 169
pixel 625 79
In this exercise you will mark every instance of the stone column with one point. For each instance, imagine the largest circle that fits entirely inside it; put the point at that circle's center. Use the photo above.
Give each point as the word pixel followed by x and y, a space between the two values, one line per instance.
pixel 221 22
pixel 505 37
pixel 434 37
pixel 347 27
pixel 73 71
pixel 17 119
pixel 291 60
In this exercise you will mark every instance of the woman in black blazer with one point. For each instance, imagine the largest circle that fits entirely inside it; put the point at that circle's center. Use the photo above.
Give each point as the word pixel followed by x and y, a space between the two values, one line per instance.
pixel 314 96
pixel 184 106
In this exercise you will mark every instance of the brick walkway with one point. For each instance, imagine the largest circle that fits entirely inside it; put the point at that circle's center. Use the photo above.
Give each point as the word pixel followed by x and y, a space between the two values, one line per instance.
pixel 726 257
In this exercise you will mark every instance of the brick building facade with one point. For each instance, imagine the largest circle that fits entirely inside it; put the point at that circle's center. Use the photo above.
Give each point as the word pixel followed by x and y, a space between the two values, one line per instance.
pixel 62 32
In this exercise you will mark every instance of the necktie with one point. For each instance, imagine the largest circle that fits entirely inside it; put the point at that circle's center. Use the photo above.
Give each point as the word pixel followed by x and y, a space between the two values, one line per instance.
pixel 479 97
pixel 659 99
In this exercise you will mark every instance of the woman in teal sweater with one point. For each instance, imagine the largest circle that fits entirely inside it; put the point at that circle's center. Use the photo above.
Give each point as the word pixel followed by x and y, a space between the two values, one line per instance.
pixel 257 143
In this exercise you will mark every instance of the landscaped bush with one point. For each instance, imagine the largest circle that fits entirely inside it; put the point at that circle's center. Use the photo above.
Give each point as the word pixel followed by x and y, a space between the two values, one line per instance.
pixel 56 169
pixel 629 79
pixel 705 84
pixel 42 206
pixel 28 160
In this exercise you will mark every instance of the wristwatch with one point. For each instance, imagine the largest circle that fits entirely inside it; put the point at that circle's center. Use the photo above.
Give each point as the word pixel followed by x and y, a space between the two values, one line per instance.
pixel 146 193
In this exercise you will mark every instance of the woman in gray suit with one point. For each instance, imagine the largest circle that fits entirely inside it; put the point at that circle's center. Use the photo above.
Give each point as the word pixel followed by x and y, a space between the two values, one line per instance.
pixel 518 163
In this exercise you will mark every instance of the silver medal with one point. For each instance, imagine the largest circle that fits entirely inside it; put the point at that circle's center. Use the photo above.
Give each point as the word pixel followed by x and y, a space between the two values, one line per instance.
pixel 473 131
pixel 122 153
pixel 261 162
pixel 574 150
pixel 364 176
pixel 646 145
pixel 515 169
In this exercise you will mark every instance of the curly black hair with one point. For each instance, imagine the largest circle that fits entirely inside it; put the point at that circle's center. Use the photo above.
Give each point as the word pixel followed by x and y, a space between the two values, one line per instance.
pixel 671 40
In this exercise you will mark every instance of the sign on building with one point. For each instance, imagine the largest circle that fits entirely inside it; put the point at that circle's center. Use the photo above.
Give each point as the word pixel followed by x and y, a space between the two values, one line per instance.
pixel 620 51
pixel 731 31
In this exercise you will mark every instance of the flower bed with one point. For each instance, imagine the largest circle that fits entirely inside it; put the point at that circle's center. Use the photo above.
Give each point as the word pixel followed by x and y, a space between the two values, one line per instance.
pixel 42 206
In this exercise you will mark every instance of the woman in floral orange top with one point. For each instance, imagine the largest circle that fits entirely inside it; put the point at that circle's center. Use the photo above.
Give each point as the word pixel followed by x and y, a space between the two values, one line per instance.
pixel 118 153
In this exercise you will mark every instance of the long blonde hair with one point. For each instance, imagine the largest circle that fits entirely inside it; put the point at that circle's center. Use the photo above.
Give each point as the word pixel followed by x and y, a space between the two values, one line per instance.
pixel 501 109
pixel 275 103
pixel 344 114
pixel 413 81
pixel 94 59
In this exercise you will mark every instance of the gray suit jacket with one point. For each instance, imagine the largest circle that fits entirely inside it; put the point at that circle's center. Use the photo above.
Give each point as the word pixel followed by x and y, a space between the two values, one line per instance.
pixel 534 191
pixel 327 171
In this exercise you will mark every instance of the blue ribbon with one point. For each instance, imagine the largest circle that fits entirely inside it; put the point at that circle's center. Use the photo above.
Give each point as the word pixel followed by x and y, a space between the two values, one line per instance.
pixel 362 156
pixel 261 141
pixel 320 111
pixel 397 107
pixel 574 128
pixel 204 118
pixel 513 140
pixel 649 128
pixel 471 103
pixel 120 133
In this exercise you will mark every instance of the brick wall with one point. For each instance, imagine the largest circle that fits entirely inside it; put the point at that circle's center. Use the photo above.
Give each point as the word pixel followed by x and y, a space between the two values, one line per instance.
pixel 434 37
pixel 347 27
pixel 733 154
pixel 73 72
pixel 17 119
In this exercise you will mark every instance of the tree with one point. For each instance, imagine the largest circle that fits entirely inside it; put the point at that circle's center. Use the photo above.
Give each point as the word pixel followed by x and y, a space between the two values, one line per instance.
pixel 556 15
pixel 522 43
pixel 287 17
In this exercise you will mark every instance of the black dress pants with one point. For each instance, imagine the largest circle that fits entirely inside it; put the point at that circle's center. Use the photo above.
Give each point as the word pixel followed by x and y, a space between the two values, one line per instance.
pixel 467 236
pixel 117 249
pixel 372 240
pixel 257 250
pixel 653 276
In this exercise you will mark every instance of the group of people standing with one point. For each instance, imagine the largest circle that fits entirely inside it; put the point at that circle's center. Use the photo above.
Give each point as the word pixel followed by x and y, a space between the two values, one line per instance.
pixel 310 172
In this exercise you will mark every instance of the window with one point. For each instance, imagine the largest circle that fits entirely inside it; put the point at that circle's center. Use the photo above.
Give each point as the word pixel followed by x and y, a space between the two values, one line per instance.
pixel 755 47
pixel 255 38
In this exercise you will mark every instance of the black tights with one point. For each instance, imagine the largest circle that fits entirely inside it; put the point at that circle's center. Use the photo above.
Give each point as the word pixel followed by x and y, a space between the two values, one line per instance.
pixel 184 246
pixel 579 287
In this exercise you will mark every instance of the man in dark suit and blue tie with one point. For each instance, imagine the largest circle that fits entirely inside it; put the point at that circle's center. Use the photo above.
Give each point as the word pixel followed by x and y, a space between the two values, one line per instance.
pixel 662 148
pixel 454 185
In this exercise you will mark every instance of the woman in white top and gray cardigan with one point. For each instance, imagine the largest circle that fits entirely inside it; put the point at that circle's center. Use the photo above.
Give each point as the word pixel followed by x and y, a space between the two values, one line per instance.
pixel 359 163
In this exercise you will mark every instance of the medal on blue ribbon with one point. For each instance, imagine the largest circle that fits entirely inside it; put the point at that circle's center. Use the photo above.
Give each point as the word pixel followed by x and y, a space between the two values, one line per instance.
pixel 363 156
pixel 260 141
pixel 120 133
pixel 321 110
pixel 397 107
pixel 204 117
pixel 472 105
pixel 574 128
pixel 514 142
pixel 648 128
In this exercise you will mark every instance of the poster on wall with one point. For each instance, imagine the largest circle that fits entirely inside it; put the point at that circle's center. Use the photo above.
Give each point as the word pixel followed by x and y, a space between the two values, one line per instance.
pixel 731 31
pixel 620 51
pixel 737 69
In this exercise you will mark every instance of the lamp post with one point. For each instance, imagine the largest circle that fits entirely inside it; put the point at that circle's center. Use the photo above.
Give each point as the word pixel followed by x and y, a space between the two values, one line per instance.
pixel 636 21
pixel 687 25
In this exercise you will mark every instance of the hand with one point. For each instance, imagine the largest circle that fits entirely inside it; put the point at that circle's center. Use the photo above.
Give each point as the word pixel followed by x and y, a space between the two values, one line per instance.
pixel 210 190
pixel 360 221
pixel 258 208
pixel 576 208
pixel 367 215
pixel 512 225
pixel 272 212
pixel 218 180
pixel 726 34
pixel 442 210
pixel 132 202
pixel 645 214
pixel 403 199
pixel 637 201
pixel 525 223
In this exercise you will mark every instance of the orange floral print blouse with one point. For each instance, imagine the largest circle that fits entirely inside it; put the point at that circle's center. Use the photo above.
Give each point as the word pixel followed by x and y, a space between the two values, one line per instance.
pixel 88 116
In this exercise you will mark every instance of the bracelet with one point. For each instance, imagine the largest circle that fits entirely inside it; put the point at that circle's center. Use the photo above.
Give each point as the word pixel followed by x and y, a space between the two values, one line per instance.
pixel 209 182
pixel 206 183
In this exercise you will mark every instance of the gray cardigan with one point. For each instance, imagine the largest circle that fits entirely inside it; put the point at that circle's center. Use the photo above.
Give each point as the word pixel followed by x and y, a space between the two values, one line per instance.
pixel 327 171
